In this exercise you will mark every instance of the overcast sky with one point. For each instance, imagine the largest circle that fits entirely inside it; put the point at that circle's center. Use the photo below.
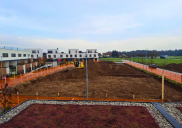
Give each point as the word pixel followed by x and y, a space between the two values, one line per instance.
pixel 105 25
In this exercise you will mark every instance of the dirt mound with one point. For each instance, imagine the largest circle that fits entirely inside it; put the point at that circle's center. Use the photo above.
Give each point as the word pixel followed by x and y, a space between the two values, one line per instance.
pixel 174 67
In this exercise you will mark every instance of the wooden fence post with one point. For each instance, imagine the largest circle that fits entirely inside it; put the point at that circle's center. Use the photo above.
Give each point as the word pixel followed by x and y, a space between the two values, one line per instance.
pixel 21 77
pixel 18 97
pixel 14 78
pixel 162 86
pixel 37 94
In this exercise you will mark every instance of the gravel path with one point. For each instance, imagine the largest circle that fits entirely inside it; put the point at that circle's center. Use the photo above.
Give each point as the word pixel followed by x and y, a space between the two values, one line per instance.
pixel 154 112
pixel 173 111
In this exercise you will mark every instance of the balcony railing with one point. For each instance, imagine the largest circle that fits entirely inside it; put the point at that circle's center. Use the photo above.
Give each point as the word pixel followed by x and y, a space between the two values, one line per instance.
pixel 11 48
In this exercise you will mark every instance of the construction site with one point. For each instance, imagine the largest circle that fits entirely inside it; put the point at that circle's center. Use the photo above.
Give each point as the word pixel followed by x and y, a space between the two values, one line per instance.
pixel 119 94
pixel 105 80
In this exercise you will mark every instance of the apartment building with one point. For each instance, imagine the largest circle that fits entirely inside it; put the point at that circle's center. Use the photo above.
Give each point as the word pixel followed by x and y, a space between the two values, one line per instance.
pixel 11 59
pixel 35 52
pixel 73 54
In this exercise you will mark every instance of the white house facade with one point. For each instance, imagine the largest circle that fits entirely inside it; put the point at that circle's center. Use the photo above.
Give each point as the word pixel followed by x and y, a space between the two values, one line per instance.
pixel 73 54
pixel 35 52
pixel 10 57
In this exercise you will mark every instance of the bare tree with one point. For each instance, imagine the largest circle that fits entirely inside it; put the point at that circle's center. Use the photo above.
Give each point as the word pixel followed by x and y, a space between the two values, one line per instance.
pixel 22 62
pixel 44 60
pixel 142 55
pixel 2 64
pixel 38 60
pixel 5 96
pixel 151 60
pixel 153 54
pixel 164 63
pixel 29 60
pixel 50 58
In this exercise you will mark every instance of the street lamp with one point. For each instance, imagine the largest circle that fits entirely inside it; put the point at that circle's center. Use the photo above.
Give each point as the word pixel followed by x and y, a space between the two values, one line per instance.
pixel 86 76
pixel 146 59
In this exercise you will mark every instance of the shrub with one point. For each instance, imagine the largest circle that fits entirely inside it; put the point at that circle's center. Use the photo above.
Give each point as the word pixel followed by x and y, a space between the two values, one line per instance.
pixel 5 95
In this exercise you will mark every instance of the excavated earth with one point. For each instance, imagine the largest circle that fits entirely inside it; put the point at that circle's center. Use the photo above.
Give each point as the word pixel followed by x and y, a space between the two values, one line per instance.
pixel 174 67
pixel 117 80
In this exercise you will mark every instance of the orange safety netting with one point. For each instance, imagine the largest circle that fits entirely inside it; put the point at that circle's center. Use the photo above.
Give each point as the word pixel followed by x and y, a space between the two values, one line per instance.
pixel 25 77
pixel 168 74
pixel 17 99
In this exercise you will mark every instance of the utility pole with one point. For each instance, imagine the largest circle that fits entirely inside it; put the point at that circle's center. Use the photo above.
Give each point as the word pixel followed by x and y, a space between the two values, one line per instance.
pixel 86 76
pixel 146 59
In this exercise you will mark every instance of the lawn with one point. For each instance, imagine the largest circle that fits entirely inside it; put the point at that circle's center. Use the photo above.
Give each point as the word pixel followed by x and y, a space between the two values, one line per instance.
pixel 112 59
pixel 158 62
pixel 175 57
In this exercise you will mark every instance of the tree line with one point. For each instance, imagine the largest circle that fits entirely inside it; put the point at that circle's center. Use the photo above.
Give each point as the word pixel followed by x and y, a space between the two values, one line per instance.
pixel 142 53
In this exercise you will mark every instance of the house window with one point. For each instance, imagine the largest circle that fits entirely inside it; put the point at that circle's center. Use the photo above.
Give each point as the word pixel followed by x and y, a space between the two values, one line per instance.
pixel 61 56
pixel 76 51
pixel 49 56
pixel 80 55
pixel 94 55
pixel 54 56
pixel 95 51
pixel 89 51
pixel 90 55
pixel 69 51
pixel 5 54
pixel 24 55
pixel 28 55
pixel 75 55
pixel 38 51
pixel 31 55
pixel 13 55
pixel 33 51
pixel 56 51
pixel 19 55
pixel 66 55
pixel 49 51
pixel 71 56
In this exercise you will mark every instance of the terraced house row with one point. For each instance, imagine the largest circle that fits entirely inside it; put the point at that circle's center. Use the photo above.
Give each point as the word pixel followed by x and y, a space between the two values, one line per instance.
pixel 17 60
pixel 73 54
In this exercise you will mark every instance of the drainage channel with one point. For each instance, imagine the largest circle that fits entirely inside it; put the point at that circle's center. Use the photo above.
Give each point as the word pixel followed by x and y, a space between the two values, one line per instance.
pixel 166 115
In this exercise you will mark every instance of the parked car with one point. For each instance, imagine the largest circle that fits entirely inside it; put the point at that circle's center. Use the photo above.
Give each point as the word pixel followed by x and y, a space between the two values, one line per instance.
pixel 152 66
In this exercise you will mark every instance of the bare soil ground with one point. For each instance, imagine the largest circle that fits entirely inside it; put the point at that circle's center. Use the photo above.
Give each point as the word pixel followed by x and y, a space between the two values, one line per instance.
pixel 99 116
pixel 117 80
pixel 174 67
